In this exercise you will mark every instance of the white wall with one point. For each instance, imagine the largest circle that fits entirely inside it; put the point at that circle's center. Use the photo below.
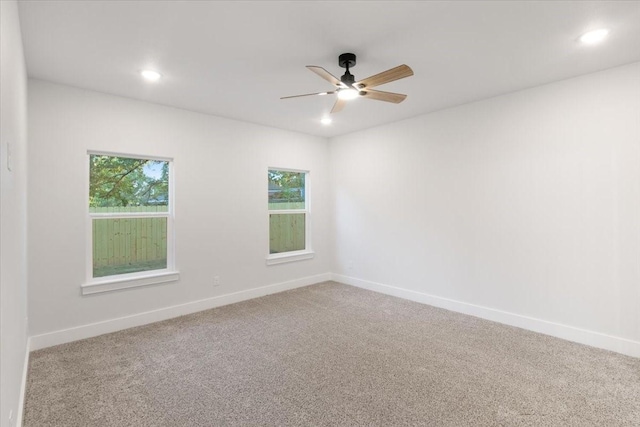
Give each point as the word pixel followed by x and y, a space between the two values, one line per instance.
pixel 13 212
pixel 527 203
pixel 220 195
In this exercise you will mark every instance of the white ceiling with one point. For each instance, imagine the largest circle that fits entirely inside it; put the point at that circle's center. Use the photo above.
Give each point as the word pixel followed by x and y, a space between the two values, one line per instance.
pixel 235 59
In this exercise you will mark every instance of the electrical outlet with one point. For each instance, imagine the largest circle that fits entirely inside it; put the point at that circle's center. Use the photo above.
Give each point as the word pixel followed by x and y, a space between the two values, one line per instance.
pixel 216 280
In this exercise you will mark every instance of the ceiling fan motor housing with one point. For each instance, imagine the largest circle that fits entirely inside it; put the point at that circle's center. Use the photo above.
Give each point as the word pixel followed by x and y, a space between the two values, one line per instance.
pixel 348 79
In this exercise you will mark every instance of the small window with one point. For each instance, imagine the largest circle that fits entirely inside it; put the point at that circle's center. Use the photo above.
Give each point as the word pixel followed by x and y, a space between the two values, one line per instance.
pixel 130 210
pixel 288 212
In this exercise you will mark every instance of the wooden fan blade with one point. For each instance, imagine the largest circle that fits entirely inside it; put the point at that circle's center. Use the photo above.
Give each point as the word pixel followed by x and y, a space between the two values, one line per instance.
pixel 397 73
pixel 326 75
pixel 379 95
pixel 308 94
pixel 338 106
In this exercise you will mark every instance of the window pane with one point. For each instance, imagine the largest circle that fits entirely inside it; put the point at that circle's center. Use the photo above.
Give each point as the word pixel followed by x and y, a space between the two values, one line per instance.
pixel 129 245
pixel 286 233
pixel 121 184
pixel 286 190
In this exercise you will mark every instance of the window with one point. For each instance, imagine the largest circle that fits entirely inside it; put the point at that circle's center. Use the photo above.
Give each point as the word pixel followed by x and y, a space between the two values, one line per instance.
pixel 130 209
pixel 288 216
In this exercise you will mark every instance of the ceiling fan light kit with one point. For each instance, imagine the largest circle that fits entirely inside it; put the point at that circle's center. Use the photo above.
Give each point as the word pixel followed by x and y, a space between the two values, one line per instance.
pixel 348 88
pixel 348 94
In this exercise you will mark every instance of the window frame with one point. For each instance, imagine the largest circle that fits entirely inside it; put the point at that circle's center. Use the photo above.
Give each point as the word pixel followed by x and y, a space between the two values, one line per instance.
pixel 93 285
pixel 307 252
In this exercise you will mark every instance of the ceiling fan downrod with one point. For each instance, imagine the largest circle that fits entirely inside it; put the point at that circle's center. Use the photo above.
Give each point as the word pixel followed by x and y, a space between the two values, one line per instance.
pixel 347 60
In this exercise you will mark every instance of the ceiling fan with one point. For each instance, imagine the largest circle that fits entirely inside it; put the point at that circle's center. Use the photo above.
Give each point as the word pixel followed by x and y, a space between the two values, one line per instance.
pixel 347 88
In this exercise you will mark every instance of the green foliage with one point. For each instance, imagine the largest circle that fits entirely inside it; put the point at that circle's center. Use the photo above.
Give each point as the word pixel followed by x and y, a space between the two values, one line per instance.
pixel 286 186
pixel 121 181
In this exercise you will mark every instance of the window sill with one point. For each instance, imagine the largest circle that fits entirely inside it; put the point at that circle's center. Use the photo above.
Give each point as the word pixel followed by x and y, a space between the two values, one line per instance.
pixel 289 257
pixel 115 284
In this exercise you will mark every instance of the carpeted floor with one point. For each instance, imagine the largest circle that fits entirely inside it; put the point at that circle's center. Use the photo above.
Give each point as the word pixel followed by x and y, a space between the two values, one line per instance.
pixel 330 355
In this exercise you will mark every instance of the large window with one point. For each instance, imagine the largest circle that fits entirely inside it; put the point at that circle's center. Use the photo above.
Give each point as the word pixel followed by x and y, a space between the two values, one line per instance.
pixel 288 214
pixel 131 216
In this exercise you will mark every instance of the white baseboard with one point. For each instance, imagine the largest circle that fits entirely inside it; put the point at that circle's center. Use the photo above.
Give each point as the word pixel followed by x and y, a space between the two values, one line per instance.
pixel 23 384
pixel 113 325
pixel 570 333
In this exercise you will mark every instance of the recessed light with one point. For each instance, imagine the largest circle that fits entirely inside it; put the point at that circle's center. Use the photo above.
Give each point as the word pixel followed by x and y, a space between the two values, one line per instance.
pixel 325 121
pixel 594 36
pixel 347 94
pixel 150 75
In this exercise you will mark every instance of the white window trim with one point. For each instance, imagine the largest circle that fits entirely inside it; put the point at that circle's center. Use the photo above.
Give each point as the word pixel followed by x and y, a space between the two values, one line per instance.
pixel 292 256
pixel 126 281
pixel 94 285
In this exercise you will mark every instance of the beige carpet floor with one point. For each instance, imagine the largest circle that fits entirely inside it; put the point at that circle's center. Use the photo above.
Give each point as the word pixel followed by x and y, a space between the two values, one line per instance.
pixel 330 355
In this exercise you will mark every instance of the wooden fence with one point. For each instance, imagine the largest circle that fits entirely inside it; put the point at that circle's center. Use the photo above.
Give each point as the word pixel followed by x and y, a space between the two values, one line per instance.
pixel 125 245
pixel 286 231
